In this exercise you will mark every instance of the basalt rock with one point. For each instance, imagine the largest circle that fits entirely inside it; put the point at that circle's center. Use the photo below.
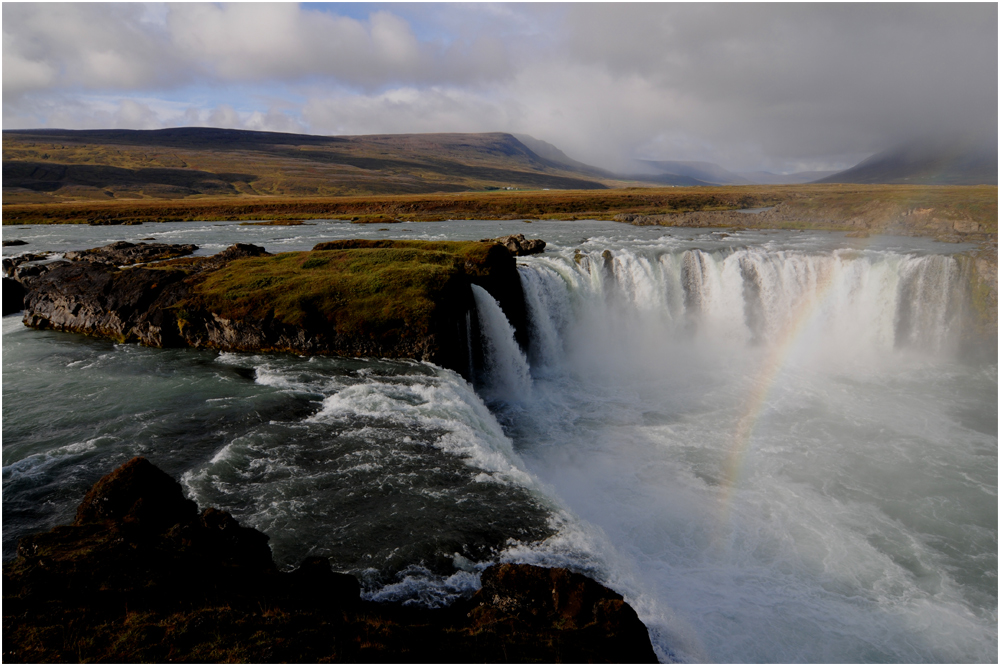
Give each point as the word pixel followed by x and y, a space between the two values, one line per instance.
pixel 124 253
pixel 498 275
pixel 518 245
pixel 11 264
pixel 138 491
pixel 142 576
pixel 100 299
pixel 529 599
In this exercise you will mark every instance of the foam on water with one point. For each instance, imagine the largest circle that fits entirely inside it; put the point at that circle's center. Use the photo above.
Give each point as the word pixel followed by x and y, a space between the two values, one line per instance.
pixel 419 587
pixel 445 403
pixel 858 522
pixel 400 473
pixel 854 520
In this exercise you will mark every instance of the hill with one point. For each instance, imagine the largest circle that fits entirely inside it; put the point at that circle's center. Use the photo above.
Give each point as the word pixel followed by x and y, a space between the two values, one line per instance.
pixel 940 161
pixel 58 165
pixel 559 159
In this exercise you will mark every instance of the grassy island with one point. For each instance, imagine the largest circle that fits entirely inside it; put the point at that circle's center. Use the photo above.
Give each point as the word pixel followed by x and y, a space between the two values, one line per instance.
pixel 388 299
pixel 367 288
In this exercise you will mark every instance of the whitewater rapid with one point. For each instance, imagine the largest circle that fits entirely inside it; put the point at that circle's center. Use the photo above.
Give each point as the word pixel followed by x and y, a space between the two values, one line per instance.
pixel 773 444
pixel 774 447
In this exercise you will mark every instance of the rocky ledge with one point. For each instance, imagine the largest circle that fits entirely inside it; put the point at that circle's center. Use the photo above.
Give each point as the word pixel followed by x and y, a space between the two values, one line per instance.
pixel 518 245
pixel 141 575
pixel 125 253
pixel 388 299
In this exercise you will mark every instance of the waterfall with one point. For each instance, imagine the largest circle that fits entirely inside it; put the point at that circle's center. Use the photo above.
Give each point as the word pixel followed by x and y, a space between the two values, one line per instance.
pixel 549 313
pixel 769 451
pixel 507 377
pixel 846 299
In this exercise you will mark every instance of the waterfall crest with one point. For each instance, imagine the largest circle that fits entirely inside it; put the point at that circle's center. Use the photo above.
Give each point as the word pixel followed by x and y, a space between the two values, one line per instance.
pixel 848 299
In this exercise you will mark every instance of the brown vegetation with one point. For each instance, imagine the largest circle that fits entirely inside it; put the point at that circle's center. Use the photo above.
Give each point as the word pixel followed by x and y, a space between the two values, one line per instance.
pixel 179 163
pixel 564 204
pixel 922 209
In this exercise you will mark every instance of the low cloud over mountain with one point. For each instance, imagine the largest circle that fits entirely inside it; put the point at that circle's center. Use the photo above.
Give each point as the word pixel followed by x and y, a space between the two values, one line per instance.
pixel 779 88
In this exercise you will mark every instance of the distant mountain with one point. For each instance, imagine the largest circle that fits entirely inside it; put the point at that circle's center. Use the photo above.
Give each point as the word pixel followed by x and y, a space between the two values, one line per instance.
pixel 927 162
pixel 699 173
pixel 558 158
pixel 707 173
pixel 52 165
pixel 797 178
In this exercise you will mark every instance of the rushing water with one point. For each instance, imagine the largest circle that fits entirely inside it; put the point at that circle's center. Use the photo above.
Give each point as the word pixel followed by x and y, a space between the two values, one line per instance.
pixel 771 443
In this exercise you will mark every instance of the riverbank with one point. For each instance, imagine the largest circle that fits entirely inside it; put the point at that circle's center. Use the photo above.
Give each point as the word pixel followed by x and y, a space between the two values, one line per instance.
pixel 960 210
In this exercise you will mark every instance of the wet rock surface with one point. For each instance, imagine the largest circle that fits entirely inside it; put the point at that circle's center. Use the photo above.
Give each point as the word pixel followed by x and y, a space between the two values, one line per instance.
pixel 518 245
pixel 11 264
pixel 100 299
pixel 141 575
pixel 124 253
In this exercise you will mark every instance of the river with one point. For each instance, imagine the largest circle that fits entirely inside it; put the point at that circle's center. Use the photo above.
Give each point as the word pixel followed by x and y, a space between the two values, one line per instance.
pixel 774 444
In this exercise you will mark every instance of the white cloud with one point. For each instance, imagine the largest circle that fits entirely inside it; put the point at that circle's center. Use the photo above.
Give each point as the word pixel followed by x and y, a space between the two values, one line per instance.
pixel 406 110
pixel 135 115
pixel 132 47
pixel 224 116
pixel 89 46
pixel 273 121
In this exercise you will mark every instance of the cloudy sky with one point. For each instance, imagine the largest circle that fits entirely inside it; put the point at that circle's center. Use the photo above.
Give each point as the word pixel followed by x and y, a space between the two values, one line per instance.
pixel 782 87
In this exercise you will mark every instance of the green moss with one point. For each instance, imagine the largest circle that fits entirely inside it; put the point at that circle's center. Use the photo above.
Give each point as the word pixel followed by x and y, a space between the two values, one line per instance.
pixel 355 287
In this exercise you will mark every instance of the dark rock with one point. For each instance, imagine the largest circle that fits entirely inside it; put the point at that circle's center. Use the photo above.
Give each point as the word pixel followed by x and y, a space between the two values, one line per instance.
pixel 124 253
pixel 236 544
pixel 109 222
pixel 498 275
pixel 242 250
pixel 95 298
pixel 538 597
pixel 25 271
pixel 13 296
pixel 10 264
pixel 137 491
pixel 14 242
pixel 315 580
pixel 120 586
pixel 518 245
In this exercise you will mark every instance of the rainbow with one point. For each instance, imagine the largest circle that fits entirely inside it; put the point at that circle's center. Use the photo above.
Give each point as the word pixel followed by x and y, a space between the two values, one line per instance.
pixel 762 385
